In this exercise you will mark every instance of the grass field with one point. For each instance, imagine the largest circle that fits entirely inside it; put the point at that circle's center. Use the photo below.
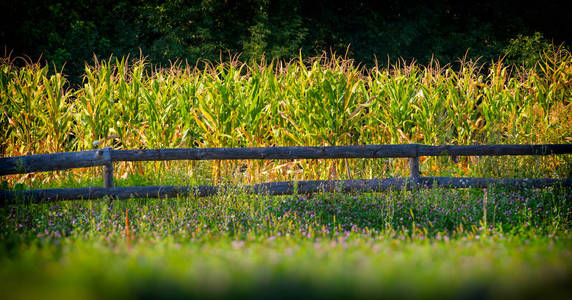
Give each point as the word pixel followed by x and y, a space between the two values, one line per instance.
pixel 428 244
pixel 437 243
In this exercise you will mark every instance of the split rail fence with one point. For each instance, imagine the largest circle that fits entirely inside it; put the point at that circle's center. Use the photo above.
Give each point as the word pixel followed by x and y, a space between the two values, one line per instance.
pixel 106 157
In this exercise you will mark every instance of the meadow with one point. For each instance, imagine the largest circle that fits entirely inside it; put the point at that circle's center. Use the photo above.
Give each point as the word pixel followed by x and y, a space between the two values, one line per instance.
pixel 435 243
pixel 424 244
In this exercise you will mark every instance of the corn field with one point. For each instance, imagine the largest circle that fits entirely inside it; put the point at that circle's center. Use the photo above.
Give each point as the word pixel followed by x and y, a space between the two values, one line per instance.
pixel 322 101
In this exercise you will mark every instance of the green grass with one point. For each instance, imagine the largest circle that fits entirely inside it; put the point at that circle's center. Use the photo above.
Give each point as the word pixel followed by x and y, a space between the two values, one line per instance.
pixel 429 244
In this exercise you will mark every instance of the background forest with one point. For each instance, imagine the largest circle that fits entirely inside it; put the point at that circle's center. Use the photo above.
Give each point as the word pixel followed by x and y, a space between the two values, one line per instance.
pixel 71 32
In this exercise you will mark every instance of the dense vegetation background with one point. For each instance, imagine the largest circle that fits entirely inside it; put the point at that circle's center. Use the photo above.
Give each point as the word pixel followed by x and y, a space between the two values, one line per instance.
pixel 71 32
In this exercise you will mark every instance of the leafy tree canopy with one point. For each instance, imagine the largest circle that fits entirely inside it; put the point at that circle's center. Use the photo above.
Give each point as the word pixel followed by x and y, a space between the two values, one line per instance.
pixel 71 32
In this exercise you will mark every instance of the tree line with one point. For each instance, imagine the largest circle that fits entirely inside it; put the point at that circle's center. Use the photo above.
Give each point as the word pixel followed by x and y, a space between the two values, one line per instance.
pixel 72 32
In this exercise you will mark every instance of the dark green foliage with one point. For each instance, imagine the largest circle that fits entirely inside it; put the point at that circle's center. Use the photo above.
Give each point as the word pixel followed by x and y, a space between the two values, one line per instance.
pixel 71 32
pixel 527 50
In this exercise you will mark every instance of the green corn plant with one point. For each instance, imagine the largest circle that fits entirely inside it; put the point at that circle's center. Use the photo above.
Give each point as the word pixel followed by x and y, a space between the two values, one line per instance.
pixel 399 94
pixel 59 115
pixel 24 111
pixel 127 107
pixel 95 112
pixel 7 76
pixel 159 110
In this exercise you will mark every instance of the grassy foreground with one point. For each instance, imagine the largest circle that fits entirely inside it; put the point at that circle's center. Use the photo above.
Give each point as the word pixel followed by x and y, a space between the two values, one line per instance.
pixel 429 244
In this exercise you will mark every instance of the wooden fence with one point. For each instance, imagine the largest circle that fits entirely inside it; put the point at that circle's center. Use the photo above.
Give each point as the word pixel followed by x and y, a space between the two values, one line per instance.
pixel 106 157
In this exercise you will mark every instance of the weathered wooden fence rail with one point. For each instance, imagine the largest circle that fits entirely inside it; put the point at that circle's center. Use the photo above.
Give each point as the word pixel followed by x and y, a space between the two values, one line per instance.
pixel 106 157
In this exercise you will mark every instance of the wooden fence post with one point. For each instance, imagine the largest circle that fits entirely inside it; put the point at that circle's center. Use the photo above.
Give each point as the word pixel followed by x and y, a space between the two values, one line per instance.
pixel 108 169
pixel 414 164
pixel 414 167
